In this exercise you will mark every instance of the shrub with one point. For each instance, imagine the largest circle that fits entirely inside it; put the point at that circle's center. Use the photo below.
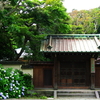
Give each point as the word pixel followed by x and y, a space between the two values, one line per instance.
pixel 12 83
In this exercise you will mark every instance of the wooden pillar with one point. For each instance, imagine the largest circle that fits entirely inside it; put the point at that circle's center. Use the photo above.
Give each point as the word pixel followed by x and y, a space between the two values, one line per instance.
pixel 55 72
pixel 92 73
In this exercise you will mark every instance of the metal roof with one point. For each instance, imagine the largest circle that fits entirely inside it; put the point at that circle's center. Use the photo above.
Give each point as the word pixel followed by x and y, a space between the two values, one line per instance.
pixel 71 43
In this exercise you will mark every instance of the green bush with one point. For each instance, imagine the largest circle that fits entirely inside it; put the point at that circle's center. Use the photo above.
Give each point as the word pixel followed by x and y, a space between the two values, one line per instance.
pixel 13 83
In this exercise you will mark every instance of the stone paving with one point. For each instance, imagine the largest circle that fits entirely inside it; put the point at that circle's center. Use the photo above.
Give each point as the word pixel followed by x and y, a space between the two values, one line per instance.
pixel 72 98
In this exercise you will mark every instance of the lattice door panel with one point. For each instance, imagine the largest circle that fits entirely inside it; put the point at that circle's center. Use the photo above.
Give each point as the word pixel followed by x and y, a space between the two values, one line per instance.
pixel 73 74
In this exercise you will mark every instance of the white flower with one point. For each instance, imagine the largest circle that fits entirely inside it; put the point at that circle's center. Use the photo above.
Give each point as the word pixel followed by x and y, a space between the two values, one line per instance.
pixel 12 77
pixel 12 80
pixel 4 70
pixel 16 81
pixel 13 84
pixel 17 88
pixel 15 74
pixel 7 77
pixel 7 95
pixel 19 95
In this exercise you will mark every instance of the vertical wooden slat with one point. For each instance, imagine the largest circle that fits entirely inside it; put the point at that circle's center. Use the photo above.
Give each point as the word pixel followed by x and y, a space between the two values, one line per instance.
pixel 40 77
pixel 97 77
pixel 55 73
pixel 35 77
pixel 58 74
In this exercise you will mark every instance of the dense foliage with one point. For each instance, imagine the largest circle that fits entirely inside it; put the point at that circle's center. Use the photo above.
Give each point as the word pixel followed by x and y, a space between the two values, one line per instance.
pixel 24 21
pixel 86 21
pixel 13 83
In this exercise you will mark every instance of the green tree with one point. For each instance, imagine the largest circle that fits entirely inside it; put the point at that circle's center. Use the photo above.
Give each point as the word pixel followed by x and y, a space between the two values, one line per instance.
pixel 88 20
pixel 23 23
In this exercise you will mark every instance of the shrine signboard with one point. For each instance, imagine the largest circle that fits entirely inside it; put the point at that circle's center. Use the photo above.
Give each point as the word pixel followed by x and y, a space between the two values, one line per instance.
pixel 92 65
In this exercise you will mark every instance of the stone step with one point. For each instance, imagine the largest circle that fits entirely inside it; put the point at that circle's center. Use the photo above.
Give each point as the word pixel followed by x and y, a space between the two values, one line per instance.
pixel 92 94
pixel 85 94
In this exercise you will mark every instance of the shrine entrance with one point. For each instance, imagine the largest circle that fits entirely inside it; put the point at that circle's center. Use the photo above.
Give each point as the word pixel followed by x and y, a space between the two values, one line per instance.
pixel 73 74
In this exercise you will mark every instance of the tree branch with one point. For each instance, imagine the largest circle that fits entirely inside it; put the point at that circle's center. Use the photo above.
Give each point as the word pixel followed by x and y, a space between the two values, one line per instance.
pixel 13 10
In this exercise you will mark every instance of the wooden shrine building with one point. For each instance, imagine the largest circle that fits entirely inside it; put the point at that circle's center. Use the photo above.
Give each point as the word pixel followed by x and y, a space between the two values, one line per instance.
pixel 73 65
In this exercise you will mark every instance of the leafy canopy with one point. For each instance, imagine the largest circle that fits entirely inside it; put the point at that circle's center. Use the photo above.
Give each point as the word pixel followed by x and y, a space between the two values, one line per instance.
pixel 23 23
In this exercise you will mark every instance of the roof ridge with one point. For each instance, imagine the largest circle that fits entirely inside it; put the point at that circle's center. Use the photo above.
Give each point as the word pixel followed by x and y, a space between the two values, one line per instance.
pixel 73 35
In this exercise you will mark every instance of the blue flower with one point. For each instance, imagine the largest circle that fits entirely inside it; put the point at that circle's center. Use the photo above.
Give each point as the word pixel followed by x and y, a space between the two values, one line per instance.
pixel 23 90
pixel 22 93
pixel 0 78
pixel 1 93
pixel 12 80
pixel 17 88
pixel 10 89
pixel 23 87
pixel 12 72
pixel 4 97
pixel 11 84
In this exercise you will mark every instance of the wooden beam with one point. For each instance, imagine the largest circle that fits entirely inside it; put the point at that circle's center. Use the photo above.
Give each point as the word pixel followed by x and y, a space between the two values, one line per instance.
pixel 55 72
pixel 97 41
pixel 92 73
pixel 50 43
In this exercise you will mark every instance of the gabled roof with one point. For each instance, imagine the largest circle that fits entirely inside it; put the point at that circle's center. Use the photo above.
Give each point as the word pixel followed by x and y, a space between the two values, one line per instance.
pixel 71 43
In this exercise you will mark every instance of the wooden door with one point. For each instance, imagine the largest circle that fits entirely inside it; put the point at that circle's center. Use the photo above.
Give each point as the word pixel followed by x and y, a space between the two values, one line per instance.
pixel 97 77
pixel 43 76
pixel 38 77
pixel 73 74
pixel 48 77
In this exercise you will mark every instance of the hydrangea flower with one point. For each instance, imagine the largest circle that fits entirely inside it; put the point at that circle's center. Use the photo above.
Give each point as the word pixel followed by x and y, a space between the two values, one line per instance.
pixel 1 93
pixel 22 93
pixel 7 77
pixel 12 77
pixel 13 84
pixel 0 78
pixel 4 70
pixel 19 96
pixel 17 88
pixel 7 95
pixel 12 72
pixel 10 89
pixel 12 80
pixel 4 97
